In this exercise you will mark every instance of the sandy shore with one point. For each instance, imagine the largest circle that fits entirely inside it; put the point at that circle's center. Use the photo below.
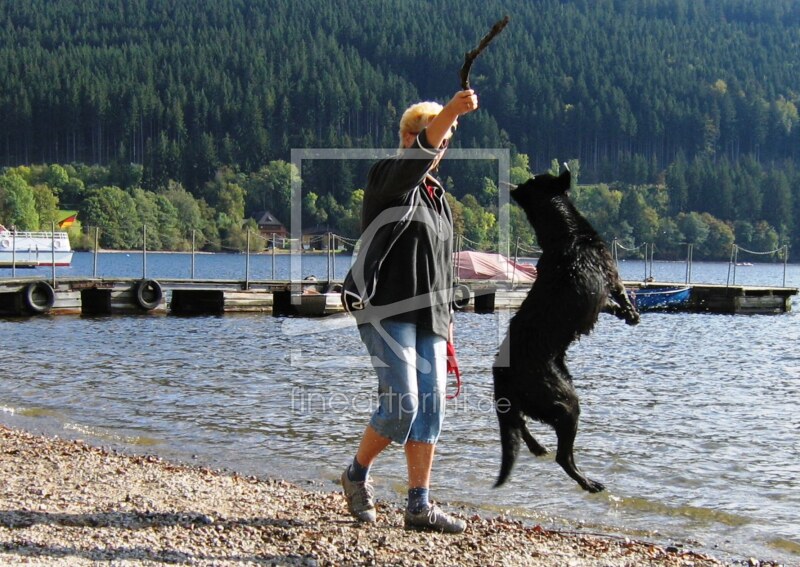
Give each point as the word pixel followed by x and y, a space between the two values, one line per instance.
pixel 67 503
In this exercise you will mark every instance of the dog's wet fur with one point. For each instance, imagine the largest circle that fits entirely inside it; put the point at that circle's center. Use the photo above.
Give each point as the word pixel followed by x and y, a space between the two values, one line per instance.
pixel 576 280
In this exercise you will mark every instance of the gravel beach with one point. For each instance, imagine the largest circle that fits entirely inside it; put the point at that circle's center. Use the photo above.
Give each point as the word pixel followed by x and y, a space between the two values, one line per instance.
pixel 67 503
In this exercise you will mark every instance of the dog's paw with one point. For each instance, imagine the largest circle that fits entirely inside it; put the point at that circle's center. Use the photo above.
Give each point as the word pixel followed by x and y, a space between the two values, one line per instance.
pixel 538 449
pixel 593 486
pixel 533 445
pixel 632 318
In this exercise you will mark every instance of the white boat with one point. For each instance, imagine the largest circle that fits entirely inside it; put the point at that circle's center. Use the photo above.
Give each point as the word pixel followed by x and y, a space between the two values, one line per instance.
pixel 32 249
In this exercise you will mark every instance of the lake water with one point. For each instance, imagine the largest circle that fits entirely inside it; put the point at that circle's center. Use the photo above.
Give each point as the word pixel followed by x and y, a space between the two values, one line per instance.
pixel 690 420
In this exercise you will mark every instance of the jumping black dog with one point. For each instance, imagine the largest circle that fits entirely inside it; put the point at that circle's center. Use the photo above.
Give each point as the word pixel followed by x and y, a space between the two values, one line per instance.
pixel 576 280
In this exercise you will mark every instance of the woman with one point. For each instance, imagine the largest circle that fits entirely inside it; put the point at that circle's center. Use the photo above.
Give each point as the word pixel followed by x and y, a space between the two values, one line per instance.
pixel 400 291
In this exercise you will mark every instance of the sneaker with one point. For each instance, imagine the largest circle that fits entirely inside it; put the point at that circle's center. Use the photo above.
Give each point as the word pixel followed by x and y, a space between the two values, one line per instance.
pixel 360 498
pixel 434 519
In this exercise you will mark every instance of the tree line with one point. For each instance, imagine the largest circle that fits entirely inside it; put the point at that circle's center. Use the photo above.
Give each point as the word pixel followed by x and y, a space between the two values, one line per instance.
pixel 687 109
pixel 661 214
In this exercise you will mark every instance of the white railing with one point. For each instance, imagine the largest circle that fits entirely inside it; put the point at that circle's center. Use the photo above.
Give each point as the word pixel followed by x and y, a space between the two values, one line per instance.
pixel 16 234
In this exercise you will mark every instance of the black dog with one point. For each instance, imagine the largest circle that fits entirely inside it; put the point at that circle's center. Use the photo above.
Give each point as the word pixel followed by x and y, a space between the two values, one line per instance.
pixel 576 280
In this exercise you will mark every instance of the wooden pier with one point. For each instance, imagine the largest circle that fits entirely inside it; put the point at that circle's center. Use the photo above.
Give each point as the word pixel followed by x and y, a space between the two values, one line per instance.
pixel 112 296
pixel 738 299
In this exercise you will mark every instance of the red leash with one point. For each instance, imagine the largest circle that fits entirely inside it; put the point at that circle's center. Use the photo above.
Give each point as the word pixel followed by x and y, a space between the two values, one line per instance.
pixel 452 368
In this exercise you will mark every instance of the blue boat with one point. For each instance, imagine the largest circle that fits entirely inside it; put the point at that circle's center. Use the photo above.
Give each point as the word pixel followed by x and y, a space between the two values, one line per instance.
pixel 661 298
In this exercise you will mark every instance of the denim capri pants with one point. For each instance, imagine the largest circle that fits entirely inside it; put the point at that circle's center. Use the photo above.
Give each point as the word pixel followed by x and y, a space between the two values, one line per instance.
pixel 411 364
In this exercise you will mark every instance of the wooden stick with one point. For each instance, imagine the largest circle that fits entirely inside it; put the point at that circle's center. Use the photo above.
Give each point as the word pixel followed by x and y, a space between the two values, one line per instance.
pixel 470 56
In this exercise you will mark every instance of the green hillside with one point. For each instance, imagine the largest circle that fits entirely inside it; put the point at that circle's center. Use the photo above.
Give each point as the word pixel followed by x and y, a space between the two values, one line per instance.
pixel 699 97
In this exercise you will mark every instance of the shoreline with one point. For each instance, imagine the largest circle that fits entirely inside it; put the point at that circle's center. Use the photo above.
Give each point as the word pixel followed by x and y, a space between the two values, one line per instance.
pixel 65 502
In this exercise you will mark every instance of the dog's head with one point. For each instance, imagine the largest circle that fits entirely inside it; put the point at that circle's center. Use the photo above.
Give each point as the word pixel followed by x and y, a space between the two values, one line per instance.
pixel 540 194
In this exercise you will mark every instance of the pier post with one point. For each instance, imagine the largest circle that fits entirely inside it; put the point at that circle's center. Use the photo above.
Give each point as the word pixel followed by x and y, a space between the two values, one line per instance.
pixel 144 251
pixel 273 255
pixel 13 252
pixel 198 302
pixel 193 237
pixel 247 264
pixel 328 246
pixel 516 259
pixel 53 251
pixel 785 261
pixel 333 255
pixel 282 303
pixel 484 301
pixel 96 245
pixel 96 301
pixel 457 266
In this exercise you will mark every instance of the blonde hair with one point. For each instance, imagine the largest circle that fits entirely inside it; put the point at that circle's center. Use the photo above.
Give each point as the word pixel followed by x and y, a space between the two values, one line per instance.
pixel 418 116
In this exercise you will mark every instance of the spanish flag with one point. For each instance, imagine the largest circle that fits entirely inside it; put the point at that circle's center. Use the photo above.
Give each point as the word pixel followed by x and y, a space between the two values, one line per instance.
pixel 68 222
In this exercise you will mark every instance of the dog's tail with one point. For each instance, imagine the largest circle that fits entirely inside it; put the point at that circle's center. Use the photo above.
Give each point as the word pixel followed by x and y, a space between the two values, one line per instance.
pixel 509 439
pixel 510 431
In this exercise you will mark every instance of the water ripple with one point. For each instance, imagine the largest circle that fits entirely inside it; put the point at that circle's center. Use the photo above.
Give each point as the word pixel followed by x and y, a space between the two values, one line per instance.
pixel 690 420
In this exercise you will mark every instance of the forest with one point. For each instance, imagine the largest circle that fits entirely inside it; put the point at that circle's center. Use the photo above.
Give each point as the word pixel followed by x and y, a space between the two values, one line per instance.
pixel 679 117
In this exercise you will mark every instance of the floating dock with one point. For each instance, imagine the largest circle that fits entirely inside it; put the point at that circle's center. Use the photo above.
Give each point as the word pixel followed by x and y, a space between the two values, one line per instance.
pixel 737 299
pixel 112 296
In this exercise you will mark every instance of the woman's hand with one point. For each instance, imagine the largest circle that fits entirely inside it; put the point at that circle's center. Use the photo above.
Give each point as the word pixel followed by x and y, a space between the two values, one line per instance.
pixel 463 102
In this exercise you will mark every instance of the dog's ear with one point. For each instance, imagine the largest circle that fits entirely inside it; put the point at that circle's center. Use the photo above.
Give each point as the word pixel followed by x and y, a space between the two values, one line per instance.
pixel 565 180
